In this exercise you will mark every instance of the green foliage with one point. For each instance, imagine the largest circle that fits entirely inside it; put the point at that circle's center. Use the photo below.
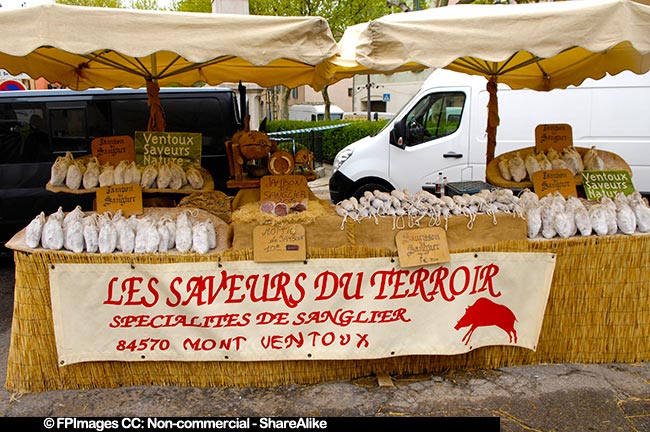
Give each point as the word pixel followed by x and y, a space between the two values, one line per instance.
pixel 192 6
pixel 144 4
pixel 333 140
pixel 176 5
pixel 339 14
pixel 94 3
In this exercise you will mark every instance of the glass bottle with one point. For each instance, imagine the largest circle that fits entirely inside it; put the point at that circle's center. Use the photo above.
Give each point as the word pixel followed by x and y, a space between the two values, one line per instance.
pixel 439 185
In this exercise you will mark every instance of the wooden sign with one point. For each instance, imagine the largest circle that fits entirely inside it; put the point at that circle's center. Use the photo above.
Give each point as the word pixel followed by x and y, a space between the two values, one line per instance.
pixel 606 183
pixel 276 243
pixel 549 181
pixel 113 149
pixel 183 148
pixel 288 189
pixel 556 136
pixel 125 197
pixel 422 246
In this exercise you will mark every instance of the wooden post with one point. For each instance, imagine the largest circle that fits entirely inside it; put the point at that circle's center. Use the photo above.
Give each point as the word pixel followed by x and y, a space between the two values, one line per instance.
pixel 493 119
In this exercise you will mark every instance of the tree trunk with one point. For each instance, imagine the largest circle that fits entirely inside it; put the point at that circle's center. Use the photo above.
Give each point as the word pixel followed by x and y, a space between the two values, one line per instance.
pixel 284 105
pixel 327 102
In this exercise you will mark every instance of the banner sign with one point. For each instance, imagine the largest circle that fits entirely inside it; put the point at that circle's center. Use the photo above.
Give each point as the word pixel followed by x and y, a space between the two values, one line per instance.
pixel 321 309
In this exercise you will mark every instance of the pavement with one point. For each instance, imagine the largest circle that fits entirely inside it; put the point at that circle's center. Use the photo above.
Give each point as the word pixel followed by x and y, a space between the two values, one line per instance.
pixel 539 398
pixel 320 186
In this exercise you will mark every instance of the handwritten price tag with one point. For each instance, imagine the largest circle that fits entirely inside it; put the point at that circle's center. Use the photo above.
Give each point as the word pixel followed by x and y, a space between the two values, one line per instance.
pixel 556 136
pixel 422 246
pixel 288 189
pixel 113 149
pixel 279 243
pixel 125 197
pixel 545 182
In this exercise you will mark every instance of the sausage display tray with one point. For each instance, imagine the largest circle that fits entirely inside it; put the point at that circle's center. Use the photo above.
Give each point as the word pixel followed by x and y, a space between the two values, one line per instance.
pixel 208 185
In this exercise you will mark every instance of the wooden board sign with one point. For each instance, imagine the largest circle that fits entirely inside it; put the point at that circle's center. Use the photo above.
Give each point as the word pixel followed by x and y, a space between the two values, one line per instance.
pixel 113 149
pixel 556 136
pixel 277 243
pixel 288 189
pixel 549 181
pixel 183 148
pixel 125 197
pixel 422 246
pixel 606 183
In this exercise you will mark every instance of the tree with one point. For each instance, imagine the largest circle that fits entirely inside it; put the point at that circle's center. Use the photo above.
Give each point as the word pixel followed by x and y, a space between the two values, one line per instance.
pixel 132 4
pixel 192 6
pixel 339 14
pixel 94 3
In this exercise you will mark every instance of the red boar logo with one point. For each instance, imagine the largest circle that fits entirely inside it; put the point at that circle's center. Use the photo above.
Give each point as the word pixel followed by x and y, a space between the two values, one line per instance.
pixel 483 313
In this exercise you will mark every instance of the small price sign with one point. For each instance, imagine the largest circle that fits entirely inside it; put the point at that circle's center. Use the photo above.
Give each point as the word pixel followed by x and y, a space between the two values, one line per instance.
pixel 422 246
pixel 277 243
pixel 125 197
pixel 548 181
pixel 113 149
pixel 288 189
pixel 556 136
pixel 606 183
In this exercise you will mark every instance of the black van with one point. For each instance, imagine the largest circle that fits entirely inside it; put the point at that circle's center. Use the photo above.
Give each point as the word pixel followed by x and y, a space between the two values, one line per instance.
pixel 37 126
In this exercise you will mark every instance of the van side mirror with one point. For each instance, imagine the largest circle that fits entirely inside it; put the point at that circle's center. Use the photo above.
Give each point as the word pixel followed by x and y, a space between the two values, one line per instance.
pixel 398 134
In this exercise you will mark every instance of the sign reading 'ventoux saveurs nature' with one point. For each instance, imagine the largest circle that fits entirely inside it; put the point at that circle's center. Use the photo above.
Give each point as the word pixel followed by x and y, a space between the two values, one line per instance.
pixel 606 183
pixel 183 148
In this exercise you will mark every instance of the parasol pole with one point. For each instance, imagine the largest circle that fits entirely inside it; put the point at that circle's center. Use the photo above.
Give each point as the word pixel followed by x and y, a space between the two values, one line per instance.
pixel 493 119
pixel 156 113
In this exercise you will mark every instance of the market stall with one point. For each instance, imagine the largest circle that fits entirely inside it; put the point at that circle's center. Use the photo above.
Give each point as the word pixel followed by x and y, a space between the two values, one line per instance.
pixel 77 326
pixel 288 289
pixel 597 312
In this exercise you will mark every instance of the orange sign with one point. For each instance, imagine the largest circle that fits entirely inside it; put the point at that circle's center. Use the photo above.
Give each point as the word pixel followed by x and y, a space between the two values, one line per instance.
pixel 562 180
pixel 556 136
pixel 113 149
pixel 125 197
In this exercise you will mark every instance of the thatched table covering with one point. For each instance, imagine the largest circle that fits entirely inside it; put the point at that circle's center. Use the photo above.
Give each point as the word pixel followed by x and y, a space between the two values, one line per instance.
pixel 598 311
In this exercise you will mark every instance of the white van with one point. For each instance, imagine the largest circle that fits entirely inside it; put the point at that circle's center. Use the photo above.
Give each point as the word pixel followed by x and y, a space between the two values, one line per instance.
pixel 307 112
pixel 612 114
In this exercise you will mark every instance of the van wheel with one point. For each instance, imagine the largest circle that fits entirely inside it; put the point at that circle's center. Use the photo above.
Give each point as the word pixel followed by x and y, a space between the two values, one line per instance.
pixel 370 187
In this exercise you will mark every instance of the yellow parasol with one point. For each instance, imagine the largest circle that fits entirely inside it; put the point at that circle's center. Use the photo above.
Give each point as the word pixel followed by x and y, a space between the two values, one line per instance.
pixel 540 46
pixel 84 47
